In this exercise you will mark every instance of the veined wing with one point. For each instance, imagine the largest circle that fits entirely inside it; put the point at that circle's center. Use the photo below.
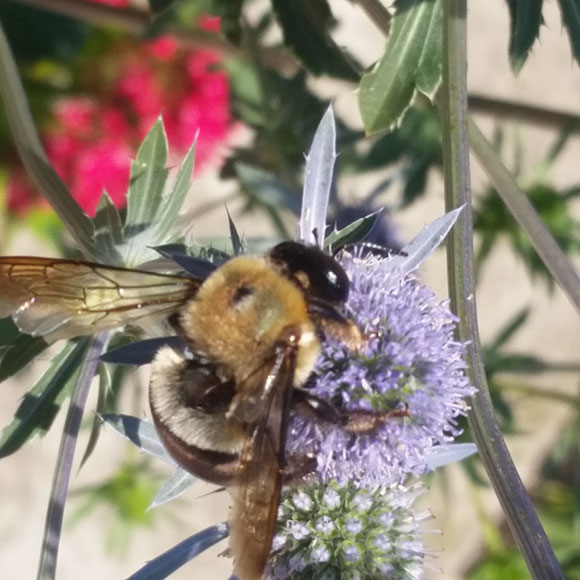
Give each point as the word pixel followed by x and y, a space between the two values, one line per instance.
pixel 65 298
pixel 256 493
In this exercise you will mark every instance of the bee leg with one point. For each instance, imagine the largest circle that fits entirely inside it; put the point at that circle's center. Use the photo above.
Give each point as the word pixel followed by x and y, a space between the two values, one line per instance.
pixel 298 468
pixel 332 323
pixel 356 421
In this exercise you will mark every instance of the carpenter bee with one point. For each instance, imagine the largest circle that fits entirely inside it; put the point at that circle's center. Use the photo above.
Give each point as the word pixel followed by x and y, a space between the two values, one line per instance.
pixel 253 328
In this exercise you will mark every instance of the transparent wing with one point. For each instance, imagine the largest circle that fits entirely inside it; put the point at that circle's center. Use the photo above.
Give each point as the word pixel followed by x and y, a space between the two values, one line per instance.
pixel 64 298
pixel 256 493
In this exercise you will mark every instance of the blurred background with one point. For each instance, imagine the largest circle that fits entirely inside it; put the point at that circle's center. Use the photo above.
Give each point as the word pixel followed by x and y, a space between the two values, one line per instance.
pixel 97 76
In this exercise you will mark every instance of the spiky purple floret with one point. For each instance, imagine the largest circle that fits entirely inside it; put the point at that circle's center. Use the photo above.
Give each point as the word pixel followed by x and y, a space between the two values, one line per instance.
pixel 412 362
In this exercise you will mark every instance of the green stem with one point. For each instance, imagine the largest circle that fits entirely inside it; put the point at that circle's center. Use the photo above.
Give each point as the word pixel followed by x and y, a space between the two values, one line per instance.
pixel 523 211
pixel 493 451
pixel 541 392
pixel 523 112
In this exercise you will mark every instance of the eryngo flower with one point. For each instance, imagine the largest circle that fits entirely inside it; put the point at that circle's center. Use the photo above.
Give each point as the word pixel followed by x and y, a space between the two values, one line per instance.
pixel 338 531
pixel 411 361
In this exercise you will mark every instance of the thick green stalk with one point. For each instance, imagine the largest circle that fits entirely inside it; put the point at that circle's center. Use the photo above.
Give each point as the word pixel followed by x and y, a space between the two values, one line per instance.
pixel 520 513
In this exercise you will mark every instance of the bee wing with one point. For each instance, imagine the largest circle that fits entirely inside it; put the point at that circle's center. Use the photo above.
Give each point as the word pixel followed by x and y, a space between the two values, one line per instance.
pixel 65 298
pixel 256 492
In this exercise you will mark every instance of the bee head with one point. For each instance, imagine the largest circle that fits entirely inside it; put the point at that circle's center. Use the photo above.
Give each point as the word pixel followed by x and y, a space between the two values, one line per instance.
pixel 318 274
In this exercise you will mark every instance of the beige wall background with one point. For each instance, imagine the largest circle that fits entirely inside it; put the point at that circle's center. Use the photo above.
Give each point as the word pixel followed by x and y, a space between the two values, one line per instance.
pixel 550 79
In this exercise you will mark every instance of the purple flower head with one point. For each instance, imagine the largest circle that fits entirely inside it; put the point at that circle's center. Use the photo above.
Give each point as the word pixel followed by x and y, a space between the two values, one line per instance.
pixel 343 550
pixel 411 362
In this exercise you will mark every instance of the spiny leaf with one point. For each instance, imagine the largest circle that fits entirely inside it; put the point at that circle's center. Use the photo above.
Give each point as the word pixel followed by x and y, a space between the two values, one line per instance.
pixel 237 244
pixel 168 562
pixel 318 181
pixel 41 404
pixel 141 433
pixel 171 203
pixel 18 354
pixel 179 481
pixel 424 244
pixel 305 24
pixel 147 181
pixel 353 233
pixel 525 21
pixel 571 20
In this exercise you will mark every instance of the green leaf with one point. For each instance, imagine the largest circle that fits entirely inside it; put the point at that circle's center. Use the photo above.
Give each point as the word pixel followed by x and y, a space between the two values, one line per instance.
pixel 351 234
pixel 525 21
pixel 571 20
pixel 148 176
pixel 104 388
pixel 8 332
pixel 510 329
pixel 305 24
pixel 108 230
pixel 237 242
pixel 230 17
pixel 168 212
pixel 411 61
pixel 18 354
pixel 247 91
pixel 41 404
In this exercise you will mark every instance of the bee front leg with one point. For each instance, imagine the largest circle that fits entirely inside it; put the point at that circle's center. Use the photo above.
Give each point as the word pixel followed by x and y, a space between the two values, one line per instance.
pixel 358 422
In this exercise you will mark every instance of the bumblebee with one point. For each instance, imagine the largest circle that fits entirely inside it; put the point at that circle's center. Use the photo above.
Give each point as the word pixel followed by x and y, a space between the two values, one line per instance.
pixel 253 328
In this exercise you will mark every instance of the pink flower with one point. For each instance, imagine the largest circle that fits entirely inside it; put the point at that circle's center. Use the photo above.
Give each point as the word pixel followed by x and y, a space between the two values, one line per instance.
pixel 93 137
pixel 90 179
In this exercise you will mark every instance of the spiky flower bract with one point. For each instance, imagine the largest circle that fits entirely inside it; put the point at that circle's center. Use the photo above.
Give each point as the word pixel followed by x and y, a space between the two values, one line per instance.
pixel 411 361
pixel 338 531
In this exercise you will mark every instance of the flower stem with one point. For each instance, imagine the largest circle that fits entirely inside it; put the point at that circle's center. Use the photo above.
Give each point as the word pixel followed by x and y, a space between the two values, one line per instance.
pixel 63 468
pixel 530 114
pixel 527 217
pixel 493 451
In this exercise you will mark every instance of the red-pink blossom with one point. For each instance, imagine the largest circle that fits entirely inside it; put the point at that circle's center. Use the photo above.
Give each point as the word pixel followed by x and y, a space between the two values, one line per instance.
pixel 92 137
